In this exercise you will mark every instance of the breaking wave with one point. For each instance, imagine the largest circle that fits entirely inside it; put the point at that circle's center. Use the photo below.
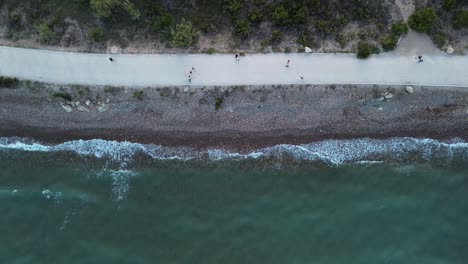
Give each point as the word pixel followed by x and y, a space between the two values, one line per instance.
pixel 330 152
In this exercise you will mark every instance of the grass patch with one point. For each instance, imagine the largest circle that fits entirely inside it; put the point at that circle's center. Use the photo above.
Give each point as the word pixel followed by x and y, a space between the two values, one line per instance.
pixel 112 90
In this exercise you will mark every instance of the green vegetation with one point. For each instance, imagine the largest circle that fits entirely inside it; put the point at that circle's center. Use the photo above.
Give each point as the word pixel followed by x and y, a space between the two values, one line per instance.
pixel 423 20
pixel 460 19
pixel 96 34
pixel 449 4
pixel 389 42
pixel 46 35
pixel 7 82
pixel 183 35
pixel 177 22
pixel 364 50
pixel 105 8
pixel 243 28
pixel 139 95
pixel 399 29
pixel 64 96
pixel 218 102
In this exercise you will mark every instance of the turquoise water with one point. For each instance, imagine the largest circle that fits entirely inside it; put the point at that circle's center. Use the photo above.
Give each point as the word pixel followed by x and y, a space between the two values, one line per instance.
pixel 391 201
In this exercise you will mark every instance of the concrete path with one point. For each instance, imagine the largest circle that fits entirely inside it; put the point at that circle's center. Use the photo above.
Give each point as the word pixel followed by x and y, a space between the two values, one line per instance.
pixel 146 70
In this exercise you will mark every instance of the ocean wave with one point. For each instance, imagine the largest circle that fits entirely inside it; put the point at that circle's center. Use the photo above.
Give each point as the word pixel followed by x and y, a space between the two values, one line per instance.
pixel 332 152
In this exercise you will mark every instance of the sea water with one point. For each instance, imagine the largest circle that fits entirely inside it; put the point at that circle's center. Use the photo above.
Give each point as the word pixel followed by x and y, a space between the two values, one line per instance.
pixel 398 200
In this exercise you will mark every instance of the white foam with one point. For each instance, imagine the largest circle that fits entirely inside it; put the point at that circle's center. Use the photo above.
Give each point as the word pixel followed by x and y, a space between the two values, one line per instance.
pixel 333 152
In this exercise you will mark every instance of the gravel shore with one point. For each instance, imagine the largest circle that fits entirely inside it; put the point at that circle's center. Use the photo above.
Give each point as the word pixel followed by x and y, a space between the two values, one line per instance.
pixel 235 117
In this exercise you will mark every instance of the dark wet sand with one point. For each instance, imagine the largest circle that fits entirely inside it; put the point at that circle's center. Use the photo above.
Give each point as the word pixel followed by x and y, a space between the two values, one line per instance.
pixel 247 117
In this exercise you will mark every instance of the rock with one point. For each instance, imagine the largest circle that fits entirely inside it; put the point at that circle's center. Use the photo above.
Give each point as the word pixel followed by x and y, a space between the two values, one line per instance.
pixel 307 50
pixel 450 49
pixel 409 89
pixel 102 108
pixel 83 109
pixel 186 89
pixel 380 108
pixel 67 108
pixel 77 103
pixel 381 99
pixel 108 100
pixel 88 102
pixel 388 95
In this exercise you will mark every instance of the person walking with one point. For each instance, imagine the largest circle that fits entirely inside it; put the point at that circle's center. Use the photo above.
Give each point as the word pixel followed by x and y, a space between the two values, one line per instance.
pixel 237 56
pixel 288 63
pixel 420 59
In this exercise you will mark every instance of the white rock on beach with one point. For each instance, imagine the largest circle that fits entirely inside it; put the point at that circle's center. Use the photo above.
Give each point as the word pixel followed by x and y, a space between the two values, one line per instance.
pixel 388 95
pixel 307 50
pixel 82 109
pixel 185 89
pixel 450 49
pixel 409 89
pixel 88 102
pixel 102 108
pixel 67 108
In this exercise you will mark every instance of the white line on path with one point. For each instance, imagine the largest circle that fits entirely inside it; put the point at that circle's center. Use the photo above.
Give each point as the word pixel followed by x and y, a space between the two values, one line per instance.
pixel 255 69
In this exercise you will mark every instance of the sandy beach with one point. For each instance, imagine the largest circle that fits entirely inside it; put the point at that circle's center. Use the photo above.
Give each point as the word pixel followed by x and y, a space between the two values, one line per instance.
pixel 240 117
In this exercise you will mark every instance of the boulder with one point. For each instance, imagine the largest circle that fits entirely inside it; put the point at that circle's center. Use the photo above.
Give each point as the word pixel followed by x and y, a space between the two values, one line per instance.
pixel 409 89
pixel 388 95
pixel 83 109
pixel 88 102
pixel 450 49
pixel 102 108
pixel 67 108
pixel 307 50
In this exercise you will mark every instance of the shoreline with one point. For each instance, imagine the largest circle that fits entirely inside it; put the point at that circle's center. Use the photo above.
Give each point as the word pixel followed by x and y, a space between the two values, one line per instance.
pixel 232 117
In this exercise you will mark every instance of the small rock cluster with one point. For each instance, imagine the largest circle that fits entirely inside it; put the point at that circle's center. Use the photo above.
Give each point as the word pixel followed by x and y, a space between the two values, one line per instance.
pixel 86 107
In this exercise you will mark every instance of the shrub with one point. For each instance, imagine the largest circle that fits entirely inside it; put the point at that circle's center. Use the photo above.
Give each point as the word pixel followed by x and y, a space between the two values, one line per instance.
pixel 183 35
pixel 399 29
pixel 449 4
pixel 64 96
pixel 233 7
pixel 211 51
pixel 280 16
pixel 46 35
pixel 218 102
pixel 460 19
pixel 255 16
pixel 7 82
pixel 422 20
pixel 139 95
pixel 389 42
pixel 96 34
pixel 243 28
pixel 439 40
pixel 276 36
pixel 364 50
pixel 161 23
pixel 104 8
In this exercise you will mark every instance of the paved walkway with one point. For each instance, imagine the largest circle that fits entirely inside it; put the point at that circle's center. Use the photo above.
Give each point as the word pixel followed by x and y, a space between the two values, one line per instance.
pixel 146 70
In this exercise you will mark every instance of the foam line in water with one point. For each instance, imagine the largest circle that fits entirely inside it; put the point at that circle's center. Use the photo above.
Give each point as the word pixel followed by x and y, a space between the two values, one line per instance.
pixel 333 152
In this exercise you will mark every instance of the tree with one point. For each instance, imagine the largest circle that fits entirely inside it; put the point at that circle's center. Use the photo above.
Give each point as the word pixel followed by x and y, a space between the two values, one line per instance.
pixel 399 29
pixel 183 34
pixel 104 8
pixel 364 50
pixel 389 42
pixel 422 20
